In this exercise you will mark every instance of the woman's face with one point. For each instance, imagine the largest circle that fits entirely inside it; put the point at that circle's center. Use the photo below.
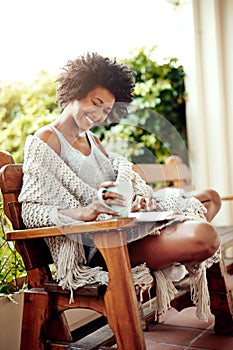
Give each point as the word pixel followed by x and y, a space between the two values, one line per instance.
pixel 93 109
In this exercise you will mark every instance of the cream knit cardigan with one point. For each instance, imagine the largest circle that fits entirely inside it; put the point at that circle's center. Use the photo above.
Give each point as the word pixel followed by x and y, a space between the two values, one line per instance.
pixel 49 185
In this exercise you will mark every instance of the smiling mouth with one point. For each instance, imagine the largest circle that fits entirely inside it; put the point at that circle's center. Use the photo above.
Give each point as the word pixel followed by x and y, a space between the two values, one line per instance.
pixel 90 120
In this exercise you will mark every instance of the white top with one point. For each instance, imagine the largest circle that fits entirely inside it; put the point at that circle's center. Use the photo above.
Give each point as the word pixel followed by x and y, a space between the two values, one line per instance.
pixel 93 169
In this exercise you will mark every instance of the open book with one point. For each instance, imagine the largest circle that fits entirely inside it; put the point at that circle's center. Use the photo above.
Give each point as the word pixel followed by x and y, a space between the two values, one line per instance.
pixel 157 215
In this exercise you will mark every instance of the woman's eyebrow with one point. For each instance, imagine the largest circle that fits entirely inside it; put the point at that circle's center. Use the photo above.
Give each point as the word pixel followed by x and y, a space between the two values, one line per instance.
pixel 99 99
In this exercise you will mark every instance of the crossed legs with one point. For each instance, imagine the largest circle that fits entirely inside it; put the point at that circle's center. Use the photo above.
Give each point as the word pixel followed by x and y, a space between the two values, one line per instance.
pixel 189 242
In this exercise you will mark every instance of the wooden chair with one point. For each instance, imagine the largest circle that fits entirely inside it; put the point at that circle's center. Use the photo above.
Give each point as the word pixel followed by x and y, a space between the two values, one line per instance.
pixel 44 324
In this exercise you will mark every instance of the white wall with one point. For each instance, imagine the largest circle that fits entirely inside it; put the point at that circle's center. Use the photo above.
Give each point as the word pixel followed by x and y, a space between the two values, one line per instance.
pixel 210 106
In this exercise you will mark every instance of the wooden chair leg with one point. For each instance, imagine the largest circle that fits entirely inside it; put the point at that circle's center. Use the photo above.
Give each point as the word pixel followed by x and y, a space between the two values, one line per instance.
pixel 121 305
pixel 58 328
pixel 35 313
pixel 221 298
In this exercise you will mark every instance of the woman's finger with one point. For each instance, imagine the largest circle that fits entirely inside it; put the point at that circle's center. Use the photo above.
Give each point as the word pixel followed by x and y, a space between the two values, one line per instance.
pixel 108 184
pixel 112 195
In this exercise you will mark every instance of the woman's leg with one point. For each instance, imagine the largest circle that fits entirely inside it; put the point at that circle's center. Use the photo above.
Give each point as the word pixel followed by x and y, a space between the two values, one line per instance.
pixel 211 200
pixel 189 242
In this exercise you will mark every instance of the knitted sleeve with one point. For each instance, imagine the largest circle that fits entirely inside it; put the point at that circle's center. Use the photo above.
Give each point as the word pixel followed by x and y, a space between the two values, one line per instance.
pixel 123 169
pixel 36 215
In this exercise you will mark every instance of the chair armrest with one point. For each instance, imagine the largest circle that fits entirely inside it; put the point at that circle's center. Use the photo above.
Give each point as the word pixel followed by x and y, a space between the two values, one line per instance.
pixel 91 227
pixel 227 198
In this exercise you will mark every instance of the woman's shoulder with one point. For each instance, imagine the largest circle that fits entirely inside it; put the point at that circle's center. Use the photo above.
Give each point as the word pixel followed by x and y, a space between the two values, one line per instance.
pixel 47 135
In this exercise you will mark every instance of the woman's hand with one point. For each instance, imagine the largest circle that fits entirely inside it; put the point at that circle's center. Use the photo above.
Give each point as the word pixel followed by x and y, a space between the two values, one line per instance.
pixel 111 198
pixel 91 212
pixel 144 204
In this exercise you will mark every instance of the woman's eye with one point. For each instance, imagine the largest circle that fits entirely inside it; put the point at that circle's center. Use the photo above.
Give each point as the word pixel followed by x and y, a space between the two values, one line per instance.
pixel 95 104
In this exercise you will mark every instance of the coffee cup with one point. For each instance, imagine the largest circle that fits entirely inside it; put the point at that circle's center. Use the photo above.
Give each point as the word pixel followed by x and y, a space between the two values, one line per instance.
pixel 125 189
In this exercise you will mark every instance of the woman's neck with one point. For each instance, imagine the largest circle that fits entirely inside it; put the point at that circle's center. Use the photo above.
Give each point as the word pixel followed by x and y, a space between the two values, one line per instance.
pixel 67 126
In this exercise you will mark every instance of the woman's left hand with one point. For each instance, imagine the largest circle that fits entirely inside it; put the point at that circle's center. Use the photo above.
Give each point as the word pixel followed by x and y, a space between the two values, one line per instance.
pixel 145 204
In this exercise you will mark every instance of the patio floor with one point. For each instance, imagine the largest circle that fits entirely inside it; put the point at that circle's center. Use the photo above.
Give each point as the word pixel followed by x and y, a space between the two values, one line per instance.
pixel 183 330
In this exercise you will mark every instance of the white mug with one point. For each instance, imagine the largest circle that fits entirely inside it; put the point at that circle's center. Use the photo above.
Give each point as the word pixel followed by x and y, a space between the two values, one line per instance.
pixel 125 189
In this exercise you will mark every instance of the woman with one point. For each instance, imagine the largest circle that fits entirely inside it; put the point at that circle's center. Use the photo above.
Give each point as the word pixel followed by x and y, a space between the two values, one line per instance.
pixel 65 164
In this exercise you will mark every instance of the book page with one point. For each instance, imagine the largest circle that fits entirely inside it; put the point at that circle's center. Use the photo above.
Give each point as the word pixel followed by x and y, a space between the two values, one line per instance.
pixel 156 215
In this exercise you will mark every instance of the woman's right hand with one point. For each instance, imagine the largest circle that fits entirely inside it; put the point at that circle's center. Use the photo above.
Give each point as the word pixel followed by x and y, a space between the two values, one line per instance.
pixel 91 212
pixel 111 198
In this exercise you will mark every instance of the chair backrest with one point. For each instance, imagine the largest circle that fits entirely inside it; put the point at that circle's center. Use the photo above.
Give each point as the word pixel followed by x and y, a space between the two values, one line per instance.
pixel 35 253
pixel 174 173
